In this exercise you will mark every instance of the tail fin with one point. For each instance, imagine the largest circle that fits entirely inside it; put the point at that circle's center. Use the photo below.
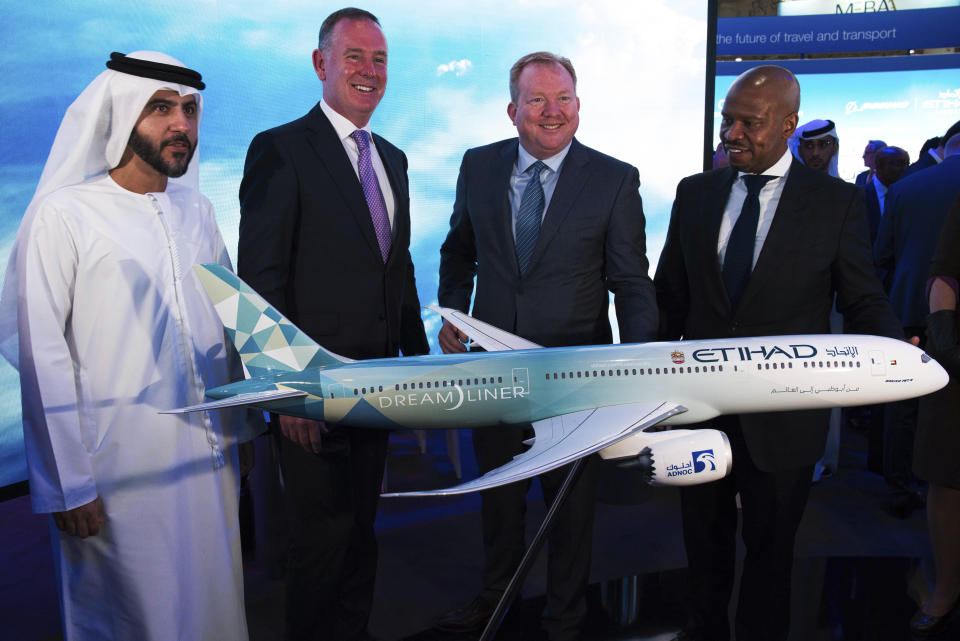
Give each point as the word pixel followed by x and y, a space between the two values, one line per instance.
pixel 267 342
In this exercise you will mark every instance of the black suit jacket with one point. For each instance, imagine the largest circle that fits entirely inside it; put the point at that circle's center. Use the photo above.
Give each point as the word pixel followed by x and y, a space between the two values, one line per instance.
pixel 923 162
pixel 817 246
pixel 916 207
pixel 874 215
pixel 308 246
pixel 591 241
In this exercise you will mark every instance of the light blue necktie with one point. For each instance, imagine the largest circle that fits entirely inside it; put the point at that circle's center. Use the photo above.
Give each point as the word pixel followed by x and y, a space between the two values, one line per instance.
pixel 529 216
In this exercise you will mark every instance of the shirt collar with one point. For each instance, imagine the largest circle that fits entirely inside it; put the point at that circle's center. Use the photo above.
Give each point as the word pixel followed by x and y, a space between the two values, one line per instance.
pixel 879 186
pixel 340 123
pixel 779 169
pixel 525 159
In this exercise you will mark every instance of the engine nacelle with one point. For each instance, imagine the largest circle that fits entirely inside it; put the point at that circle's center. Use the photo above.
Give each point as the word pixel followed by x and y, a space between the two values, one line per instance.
pixel 675 457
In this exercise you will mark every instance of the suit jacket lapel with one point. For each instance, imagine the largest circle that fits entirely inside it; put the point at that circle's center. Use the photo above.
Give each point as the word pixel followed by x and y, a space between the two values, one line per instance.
pixel 401 217
pixel 714 201
pixel 787 226
pixel 500 200
pixel 573 176
pixel 329 150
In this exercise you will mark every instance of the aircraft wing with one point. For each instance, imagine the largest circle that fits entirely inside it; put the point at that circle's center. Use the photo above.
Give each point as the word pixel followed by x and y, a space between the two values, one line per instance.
pixel 240 399
pixel 486 336
pixel 565 438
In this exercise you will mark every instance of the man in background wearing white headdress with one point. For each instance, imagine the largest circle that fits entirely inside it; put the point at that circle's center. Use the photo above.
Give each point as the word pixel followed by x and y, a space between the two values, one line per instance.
pixel 108 324
pixel 817 146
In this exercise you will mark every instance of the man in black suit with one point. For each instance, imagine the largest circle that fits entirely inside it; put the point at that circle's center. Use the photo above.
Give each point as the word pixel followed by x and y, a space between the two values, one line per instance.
pixel 931 154
pixel 914 211
pixel 889 163
pixel 760 248
pixel 547 227
pixel 324 237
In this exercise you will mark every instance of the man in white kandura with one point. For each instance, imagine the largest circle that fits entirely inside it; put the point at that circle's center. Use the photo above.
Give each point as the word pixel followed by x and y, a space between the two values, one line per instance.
pixel 111 326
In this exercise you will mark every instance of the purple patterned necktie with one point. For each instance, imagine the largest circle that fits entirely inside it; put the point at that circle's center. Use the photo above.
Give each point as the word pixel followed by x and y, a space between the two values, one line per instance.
pixel 371 189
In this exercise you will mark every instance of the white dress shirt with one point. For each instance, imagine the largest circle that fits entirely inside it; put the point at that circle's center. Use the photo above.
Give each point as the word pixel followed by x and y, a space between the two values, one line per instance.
pixel 881 191
pixel 769 199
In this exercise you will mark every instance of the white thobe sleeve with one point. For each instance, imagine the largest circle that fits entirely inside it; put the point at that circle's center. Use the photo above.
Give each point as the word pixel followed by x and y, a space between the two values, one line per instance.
pixel 250 422
pixel 60 473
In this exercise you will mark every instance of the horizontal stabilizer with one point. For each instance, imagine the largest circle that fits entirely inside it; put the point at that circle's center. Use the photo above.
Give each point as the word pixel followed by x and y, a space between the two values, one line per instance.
pixel 562 439
pixel 240 399
pixel 486 336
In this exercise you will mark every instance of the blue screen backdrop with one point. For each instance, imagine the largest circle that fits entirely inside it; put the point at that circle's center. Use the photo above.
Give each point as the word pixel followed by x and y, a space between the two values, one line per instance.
pixel 641 82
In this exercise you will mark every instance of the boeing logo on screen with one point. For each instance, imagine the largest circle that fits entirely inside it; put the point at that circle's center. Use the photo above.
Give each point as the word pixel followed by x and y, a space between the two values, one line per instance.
pixel 853 106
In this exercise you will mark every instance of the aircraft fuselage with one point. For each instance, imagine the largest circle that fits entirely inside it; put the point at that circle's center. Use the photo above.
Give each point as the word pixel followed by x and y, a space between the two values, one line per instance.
pixel 707 377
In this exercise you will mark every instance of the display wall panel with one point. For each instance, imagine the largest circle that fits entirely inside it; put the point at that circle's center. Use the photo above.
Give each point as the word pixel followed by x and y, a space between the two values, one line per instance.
pixel 641 69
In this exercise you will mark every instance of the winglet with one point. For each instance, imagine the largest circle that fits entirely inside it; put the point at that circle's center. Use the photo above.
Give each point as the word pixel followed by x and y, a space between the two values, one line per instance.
pixel 483 334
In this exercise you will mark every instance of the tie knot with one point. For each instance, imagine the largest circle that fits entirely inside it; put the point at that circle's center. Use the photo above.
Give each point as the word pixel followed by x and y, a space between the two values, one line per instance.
pixel 362 138
pixel 755 183
pixel 536 168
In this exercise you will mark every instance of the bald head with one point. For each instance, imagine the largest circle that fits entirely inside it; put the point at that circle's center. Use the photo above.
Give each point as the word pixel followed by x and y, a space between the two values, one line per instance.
pixel 952 146
pixel 759 116
pixel 776 80
pixel 890 163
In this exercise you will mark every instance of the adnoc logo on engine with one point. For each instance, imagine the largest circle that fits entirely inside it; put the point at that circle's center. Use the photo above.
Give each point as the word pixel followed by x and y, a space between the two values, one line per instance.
pixel 700 460
pixel 703 458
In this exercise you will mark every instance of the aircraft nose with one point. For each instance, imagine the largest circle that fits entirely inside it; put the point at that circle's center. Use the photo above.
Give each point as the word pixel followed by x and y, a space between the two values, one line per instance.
pixel 934 376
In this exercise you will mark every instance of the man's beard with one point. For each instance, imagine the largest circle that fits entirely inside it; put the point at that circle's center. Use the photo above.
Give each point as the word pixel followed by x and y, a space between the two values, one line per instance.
pixel 153 154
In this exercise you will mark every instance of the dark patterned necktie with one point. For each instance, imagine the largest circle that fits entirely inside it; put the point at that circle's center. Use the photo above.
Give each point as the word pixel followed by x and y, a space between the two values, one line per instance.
pixel 529 216
pixel 371 189
pixel 738 261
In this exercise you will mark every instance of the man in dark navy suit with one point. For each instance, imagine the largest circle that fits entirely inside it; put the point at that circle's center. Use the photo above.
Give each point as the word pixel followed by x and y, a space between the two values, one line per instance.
pixel 547 227
pixel 324 237
pixel 761 248
pixel 889 163
pixel 914 211
pixel 931 154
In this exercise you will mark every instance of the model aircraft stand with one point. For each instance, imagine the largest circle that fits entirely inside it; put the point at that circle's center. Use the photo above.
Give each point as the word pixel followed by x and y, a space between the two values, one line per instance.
pixel 516 581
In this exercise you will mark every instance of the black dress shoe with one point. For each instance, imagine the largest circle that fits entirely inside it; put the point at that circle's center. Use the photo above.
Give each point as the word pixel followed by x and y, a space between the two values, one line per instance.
pixel 684 635
pixel 928 625
pixel 900 505
pixel 472 616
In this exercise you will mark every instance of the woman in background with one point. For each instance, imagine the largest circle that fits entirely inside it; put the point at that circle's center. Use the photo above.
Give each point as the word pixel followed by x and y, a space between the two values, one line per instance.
pixel 937 448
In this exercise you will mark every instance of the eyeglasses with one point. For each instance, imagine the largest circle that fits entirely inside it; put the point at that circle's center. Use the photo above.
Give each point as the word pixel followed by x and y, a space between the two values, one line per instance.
pixel 820 143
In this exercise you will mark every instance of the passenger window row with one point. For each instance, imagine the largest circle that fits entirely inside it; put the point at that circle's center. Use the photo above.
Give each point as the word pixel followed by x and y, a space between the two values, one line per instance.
pixel 360 391
pixel 650 371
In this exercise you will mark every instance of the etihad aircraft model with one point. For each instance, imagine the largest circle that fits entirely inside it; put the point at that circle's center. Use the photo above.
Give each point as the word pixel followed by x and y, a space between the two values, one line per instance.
pixel 579 400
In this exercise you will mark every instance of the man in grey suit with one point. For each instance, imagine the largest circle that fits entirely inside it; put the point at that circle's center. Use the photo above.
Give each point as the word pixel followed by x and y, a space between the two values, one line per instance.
pixel 547 227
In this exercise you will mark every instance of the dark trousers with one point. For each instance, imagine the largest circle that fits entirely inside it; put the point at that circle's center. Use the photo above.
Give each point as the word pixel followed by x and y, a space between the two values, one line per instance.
pixel 899 429
pixel 773 503
pixel 331 500
pixel 503 511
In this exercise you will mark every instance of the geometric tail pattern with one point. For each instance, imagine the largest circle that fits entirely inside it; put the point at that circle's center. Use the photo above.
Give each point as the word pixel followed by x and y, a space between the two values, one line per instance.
pixel 265 340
